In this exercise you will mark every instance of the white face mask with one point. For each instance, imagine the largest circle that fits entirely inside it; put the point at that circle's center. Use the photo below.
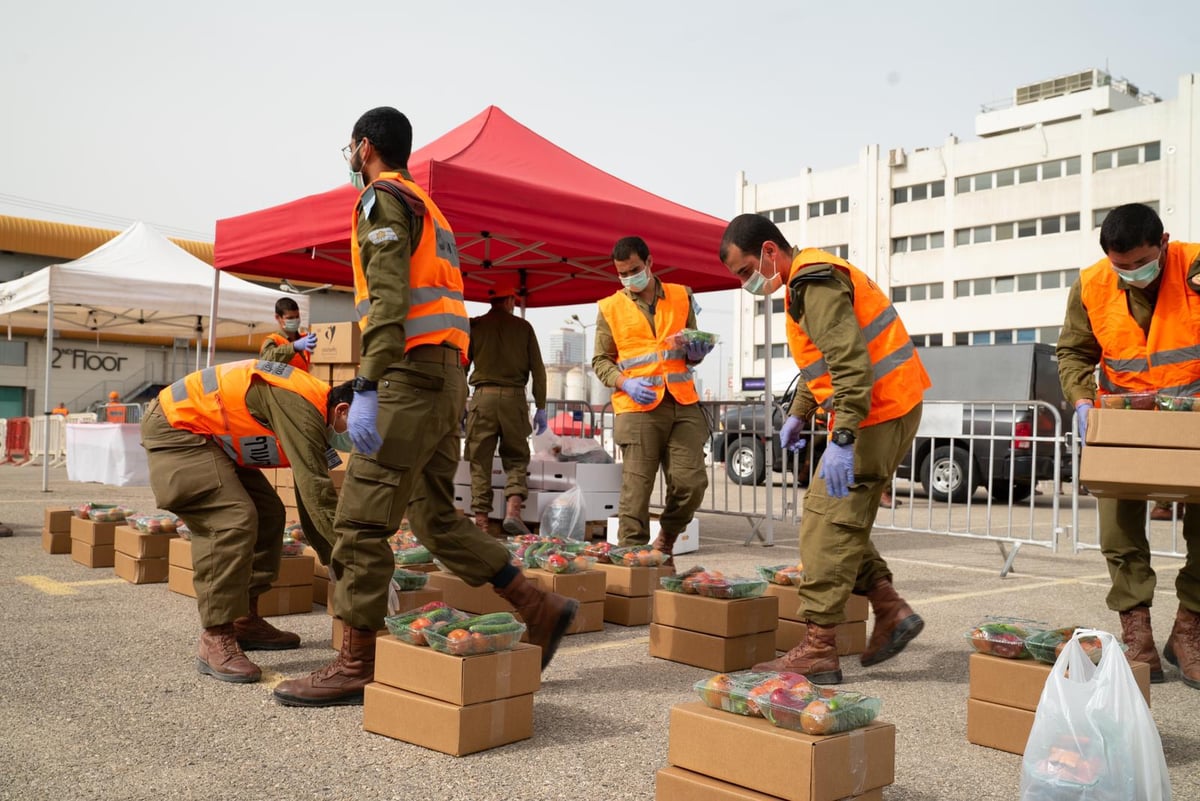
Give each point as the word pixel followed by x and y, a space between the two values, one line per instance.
pixel 1142 277
pixel 759 284
pixel 356 176
pixel 292 325
pixel 638 281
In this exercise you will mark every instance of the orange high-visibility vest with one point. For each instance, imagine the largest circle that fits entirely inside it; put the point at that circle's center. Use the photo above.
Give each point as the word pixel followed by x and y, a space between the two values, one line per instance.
pixel 212 403
pixel 114 412
pixel 643 353
pixel 301 359
pixel 1168 360
pixel 900 378
pixel 436 312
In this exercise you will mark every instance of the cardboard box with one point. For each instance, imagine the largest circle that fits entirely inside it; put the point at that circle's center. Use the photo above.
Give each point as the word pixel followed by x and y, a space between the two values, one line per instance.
pixel 179 553
pixel 56 542
pixel 600 505
pixel 1143 429
pixel 625 610
pixel 318 568
pixel 337 474
pixel 437 725
pixel 179 579
pixel 751 752
pixel 560 476
pixel 851 637
pixel 287 495
pixel 633 582
pixel 140 571
pixel 92 555
pixel 719 654
pixel 589 617
pixel 57 520
pixel 462 498
pixel 687 542
pixel 285 479
pixel 414 599
pixel 137 545
pixel 321 590
pixel 341 373
pixel 286 600
pixel 716 616
pixel 1155 474
pixel 1018 682
pixel 296 571
pixel 1005 728
pixel 269 473
pixel 857 606
pixel 337 343
pixel 92 533
pixel 677 784
pixel 477 600
pixel 585 587
pixel 460 680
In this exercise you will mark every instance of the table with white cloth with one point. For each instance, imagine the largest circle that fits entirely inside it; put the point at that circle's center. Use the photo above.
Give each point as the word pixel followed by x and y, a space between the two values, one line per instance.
pixel 109 453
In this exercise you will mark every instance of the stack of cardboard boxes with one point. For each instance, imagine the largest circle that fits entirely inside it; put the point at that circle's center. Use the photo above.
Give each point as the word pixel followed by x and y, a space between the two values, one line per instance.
pixel 406 601
pixel 141 558
pixel 714 633
pixel 1004 695
pixel 629 592
pixel 290 594
pixel 851 635
pixel 92 542
pixel 454 704
pixel 599 485
pixel 1138 454
pixel 719 756
pixel 56 530
pixel 586 586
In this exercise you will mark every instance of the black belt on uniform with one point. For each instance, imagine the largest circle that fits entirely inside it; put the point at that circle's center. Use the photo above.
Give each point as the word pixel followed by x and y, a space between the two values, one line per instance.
pixel 438 354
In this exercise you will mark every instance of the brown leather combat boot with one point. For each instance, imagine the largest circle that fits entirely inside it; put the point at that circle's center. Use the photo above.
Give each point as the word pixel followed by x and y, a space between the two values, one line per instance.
pixel 666 543
pixel 1138 636
pixel 816 657
pixel 341 682
pixel 221 658
pixel 548 615
pixel 513 524
pixel 1183 646
pixel 254 633
pixel 482 522
pixel 896 624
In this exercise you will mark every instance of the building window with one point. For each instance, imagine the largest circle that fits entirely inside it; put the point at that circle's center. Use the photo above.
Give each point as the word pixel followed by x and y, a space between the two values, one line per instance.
pixel 962 338
pixel 13 353
pixel 1005 178
pixel 937 189
pixel 1025 174
pixel 936 291
pixel 900 244
pixel 962 289
pixel 1051 225
pixel 1051 169
pixel 981 337
pixel 1006 283
pixel 1026 228
pixel 962 185
pixel 982 286
pixel 1073 165
pixel 906 244
pixel 1027 282
pixel 1098 215
pixel 823 208
pixel 1004 231
pixel 1028 173
pixel 1126 156
pixel 786 214
pixel 761 305
pixel 841 251
pixel 1004 337
pixel 927 340
pixel 1052 280
pixel 916 292
pixel 1026 335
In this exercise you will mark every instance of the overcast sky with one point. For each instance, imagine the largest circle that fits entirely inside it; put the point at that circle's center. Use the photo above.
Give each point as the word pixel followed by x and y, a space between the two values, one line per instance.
pixel 181 114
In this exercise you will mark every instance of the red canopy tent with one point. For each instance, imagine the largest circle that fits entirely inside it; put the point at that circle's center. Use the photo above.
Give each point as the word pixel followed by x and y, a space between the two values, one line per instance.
pixel 519 204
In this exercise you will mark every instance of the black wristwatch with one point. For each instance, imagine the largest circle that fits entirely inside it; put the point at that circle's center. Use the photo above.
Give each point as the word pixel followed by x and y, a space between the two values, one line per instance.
pixel 360 384
pixel 843 437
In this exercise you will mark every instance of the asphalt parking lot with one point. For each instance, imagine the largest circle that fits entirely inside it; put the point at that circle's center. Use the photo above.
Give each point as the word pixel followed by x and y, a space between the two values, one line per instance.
pixel 101 699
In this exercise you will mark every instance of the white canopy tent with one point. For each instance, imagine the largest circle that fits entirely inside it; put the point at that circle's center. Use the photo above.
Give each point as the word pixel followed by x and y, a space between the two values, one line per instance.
pixel 138 283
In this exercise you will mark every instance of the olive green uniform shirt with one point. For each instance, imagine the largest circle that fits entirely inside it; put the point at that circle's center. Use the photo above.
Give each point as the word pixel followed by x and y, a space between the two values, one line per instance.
pixel 1079 351
pixel 825 299
pixel 271 352
pixel 504 351
pixel 605 355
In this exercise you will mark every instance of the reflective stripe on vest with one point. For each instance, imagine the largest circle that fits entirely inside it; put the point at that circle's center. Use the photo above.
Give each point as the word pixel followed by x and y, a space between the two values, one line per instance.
pixel 648 354
pixel 899 380
pixel 436 312
pixel 300 359
pixel 1168 358
pixel 212 403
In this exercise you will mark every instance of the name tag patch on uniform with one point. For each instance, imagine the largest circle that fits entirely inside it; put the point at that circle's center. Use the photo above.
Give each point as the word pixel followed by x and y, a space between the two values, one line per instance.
pixel 382 235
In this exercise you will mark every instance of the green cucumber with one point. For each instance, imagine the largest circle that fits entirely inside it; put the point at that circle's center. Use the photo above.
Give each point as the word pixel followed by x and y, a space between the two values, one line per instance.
pixel 491 619
pixel 496 628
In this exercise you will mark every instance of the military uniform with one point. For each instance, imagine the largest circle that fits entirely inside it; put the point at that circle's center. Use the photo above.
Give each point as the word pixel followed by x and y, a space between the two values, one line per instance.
pixel 505 353
pixel 671 435
pixel 1123 538
pixel 277 347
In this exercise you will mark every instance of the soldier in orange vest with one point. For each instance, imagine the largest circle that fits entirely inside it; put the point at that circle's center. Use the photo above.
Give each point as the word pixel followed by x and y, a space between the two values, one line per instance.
pixel 114 410
pixel 207 438
pixel 655 402
pixel 859 365
pixel 1136 314
pixel 410 392
pixel 288 345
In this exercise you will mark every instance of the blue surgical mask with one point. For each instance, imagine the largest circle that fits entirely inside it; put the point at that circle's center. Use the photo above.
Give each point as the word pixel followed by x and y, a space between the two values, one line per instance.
pixel 291 326
pixel 339 442
pixel 356 176
pixel 1142 277
pixel 638 281
pixel 759 284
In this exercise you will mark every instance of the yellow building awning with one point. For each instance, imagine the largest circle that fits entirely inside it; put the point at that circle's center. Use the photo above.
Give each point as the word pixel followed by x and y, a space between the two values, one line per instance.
pixel 64 241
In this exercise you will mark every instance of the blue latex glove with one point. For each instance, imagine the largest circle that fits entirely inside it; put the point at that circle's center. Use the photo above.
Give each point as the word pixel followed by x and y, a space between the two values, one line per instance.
pixel 790 438
pixel 640 390
pixel 305 343
pixel 696 351
pixel 837 468
pixel 360 424
pixel 539 421
pixel 1081 416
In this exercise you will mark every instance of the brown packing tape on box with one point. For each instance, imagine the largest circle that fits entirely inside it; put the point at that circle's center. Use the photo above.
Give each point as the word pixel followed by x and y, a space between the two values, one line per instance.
pixel 677 784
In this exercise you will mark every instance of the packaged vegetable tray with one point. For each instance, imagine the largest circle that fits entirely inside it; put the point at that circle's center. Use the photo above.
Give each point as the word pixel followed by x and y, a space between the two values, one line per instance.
pixel 784 575
pixel 413 556
pixel 819 710
pixel 409 580
pixel 161 523
pixel 556 561
pixel 1004 636
pixel 1045 646
pixel 1129 400
pixel 479 634
pixel 294 530
pixel 638 556
pixel 689 336
pixel 101 512
pixel 739 693
pixel 293 547
pixel 411 626
pixel 713 584
pixel 1177 403
pixel 599 550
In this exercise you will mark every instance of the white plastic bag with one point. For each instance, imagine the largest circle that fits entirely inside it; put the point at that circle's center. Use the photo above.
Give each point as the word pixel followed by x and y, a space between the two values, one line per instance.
pixel 565 516
pixel 1093 738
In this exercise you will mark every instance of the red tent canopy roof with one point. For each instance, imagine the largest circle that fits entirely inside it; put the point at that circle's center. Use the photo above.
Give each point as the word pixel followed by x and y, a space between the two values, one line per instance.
pixel 519 205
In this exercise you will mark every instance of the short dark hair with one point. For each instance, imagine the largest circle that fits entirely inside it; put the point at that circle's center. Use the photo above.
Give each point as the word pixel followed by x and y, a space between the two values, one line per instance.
pixel 390 133
pixel 628 245
pixel 1130 226
pixel 749 232
pixel 284 305
pixel 339 393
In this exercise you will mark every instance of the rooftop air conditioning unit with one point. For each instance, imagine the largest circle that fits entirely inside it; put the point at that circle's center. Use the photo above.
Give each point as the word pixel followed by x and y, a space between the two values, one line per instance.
pixel 896 157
